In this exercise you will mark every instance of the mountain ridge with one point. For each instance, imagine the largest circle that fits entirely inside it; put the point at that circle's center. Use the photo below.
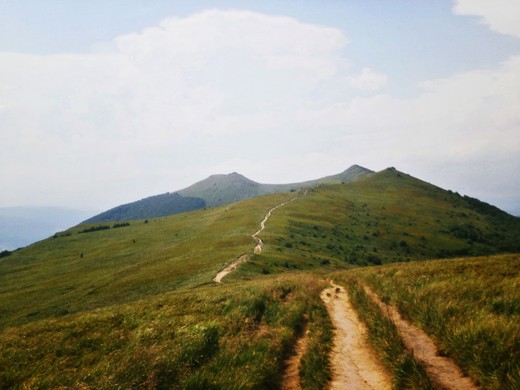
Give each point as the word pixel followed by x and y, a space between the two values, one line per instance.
pixel 135 306
pixel 215 190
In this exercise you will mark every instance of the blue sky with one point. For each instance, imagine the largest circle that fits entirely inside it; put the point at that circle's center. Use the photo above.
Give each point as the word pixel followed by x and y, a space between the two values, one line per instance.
pixel 103 103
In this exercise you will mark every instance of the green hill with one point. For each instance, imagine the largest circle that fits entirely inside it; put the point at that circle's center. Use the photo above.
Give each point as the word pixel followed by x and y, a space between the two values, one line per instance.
pixel 216 190
pixel 133 304
pixel 151 207
pixel 384 217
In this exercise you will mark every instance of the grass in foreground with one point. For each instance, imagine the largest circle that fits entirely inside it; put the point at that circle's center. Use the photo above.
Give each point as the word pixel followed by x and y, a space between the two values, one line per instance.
pixel 470 306
pixel 219 337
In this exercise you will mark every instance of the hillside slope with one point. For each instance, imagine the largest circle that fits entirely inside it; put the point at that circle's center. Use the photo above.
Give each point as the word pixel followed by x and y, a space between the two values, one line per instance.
pixel 133 305
pixel 151 207
pixel 384 217
pixel 381 218
pixel 216 190
pixel 91 266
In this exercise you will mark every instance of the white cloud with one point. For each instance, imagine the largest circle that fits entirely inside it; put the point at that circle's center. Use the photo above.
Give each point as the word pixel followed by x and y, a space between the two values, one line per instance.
pixel 238 91
pixel 499 15
pixel 180 91
pixel 368 80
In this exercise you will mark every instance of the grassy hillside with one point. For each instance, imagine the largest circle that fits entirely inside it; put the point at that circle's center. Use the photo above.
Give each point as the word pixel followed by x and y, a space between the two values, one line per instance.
pixel 151 207
pixel 78 271
pixel 215 337
pixel 382 218
pixel 133 305
pixel 470 306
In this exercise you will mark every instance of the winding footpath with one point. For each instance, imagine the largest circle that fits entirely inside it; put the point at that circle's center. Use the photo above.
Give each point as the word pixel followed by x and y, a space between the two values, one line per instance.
pixel 259 242
pixel 257 249
pixel 354 365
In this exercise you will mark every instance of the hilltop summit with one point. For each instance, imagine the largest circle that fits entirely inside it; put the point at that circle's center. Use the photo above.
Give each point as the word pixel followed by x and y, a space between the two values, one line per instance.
pixel 216 190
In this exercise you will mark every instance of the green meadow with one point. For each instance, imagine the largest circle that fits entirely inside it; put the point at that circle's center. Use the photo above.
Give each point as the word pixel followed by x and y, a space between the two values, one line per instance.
pixel 470 306
pixel 74 271
pixel 218 337
pixel 382 218
pixel 133 305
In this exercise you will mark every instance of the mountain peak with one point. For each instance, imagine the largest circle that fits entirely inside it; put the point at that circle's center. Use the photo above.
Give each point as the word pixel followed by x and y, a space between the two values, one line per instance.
pixel 221 189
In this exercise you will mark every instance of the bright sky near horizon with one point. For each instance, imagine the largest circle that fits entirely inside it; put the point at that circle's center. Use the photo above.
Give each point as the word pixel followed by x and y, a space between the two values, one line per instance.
pixel 103 103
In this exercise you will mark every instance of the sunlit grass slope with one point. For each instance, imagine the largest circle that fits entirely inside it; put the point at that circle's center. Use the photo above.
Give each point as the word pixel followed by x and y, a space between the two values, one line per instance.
pixel 80 271
pixel 383 217
pixel 215 337
pixel 134 306
pixel 470 306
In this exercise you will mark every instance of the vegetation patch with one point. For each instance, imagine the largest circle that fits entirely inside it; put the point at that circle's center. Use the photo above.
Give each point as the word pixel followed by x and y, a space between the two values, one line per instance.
pixel 387 217
pixel 470 307
pixel 216 337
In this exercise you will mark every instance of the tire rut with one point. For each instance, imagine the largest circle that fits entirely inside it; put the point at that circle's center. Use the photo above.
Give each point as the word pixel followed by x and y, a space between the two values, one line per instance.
pixel 442 371
pixel 354 364
pixel 291 377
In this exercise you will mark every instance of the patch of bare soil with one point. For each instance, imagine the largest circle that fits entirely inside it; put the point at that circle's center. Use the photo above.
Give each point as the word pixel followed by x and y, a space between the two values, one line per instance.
pixel 231 267
pixel 291 378
pixel 441 370
pixel 354 364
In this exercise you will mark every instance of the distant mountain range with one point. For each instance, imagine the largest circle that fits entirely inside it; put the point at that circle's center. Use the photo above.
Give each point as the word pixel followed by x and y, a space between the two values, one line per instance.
pixel 21 226
pixel 216 190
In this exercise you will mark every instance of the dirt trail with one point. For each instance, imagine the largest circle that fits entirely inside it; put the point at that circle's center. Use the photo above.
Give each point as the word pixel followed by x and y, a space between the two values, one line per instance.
pixel 441 370
pixel 257 250
pixel 291 377
pixel 231 267
pixel 354 365
pixel 259 242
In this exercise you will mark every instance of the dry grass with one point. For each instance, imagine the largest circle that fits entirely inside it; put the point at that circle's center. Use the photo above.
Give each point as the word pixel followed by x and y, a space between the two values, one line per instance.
pixel 221 337
pixel 470 306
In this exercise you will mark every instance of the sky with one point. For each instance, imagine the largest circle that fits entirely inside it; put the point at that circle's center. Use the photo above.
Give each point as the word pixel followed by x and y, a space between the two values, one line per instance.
pixel 104 103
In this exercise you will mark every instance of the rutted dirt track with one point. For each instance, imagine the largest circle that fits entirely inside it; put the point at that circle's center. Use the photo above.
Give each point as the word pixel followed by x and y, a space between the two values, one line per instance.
pixel 442 370
pixel 354 365
pixel 291 377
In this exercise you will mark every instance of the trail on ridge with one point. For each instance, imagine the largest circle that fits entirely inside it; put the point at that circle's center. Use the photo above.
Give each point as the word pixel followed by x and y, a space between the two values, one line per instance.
pixel 259 242
pixel 257 249
pixel 354 365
